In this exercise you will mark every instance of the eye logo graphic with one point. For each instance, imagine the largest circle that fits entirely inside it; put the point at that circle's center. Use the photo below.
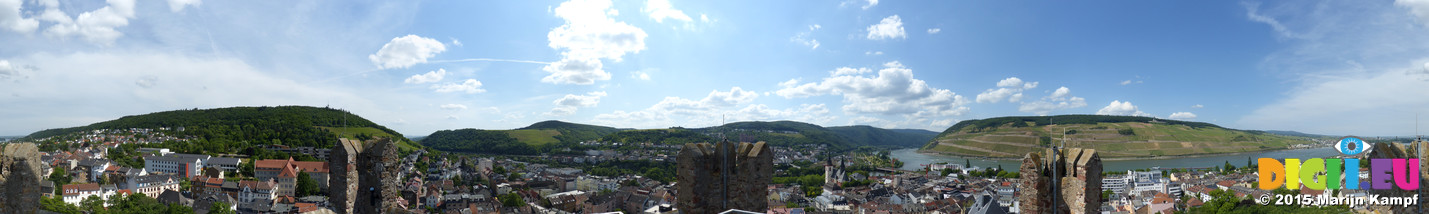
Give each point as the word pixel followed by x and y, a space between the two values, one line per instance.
pixel 1352 146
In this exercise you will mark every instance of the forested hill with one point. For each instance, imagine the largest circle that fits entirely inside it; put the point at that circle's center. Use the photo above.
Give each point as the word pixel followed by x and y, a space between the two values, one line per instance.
pixel 880 137
pixel 247 126
pixel 1112 136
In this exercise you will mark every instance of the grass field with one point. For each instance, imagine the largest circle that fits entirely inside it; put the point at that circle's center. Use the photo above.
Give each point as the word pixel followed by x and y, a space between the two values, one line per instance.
pixel 1150 139
pixel 534 137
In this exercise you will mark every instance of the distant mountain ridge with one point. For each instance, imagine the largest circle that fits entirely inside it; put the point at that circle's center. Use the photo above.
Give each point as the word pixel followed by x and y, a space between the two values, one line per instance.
pixel 1112 136
pixel 782 133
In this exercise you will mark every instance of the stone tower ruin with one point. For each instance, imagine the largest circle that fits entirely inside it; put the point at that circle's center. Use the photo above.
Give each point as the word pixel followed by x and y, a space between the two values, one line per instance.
pixel 364 177
pixel 20 177
pixel 717 177
pixel 1078 173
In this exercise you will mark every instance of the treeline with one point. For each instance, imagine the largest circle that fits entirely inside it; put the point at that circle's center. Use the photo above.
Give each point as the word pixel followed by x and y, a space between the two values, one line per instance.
pixel 1022 121
pixel 772 133
pixel 572 132
pixel 478 141
pixel 239 128
pixel 659 136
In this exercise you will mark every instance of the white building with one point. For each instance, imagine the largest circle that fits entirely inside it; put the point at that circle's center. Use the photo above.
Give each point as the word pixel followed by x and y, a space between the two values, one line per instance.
pixel 75 193
pixel 187 165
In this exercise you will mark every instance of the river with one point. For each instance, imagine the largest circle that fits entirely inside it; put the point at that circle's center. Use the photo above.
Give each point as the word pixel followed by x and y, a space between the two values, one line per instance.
pixel 913 160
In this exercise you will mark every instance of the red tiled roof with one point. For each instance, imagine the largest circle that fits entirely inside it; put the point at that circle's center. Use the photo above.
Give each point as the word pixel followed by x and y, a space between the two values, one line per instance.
pixel 288 172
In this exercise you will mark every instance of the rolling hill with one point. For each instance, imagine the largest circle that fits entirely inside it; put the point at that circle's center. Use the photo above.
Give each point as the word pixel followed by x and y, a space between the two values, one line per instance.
pixel 1112 136
pixel 780 133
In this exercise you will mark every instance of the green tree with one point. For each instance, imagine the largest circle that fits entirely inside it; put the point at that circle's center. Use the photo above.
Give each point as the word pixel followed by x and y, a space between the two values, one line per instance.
pixel 57 204
pixel 306 185
pixel 220 208
pixel 92 204
pixel 246 168
pixel 512 200
pixel 60 177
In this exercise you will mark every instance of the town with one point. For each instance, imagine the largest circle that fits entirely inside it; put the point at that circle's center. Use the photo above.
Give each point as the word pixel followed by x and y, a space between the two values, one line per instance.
pixel 96 173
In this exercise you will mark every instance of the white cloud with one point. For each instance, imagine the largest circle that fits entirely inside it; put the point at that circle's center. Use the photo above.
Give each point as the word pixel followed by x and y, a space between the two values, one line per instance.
pixel 804 38
pixel 893 91
pixel 871 3
pixel 704 18
pixel 844 71
pixel 888 28
pixel 12 19
pixel 1419 8
pixel 659 10
pixel 1126 82
pixel 456 42
pixel 73 84
pixel 1060 92
pixel 97 26
pixel 178 5
pixel 873 53
pixel 8 71
pixel 568 104
pixel 640 75
pixel 934 30
pixel 470 86
pixel 575 71
pixel 1198 106
pixel 734 96
pixel 1382 103
pixel 588 36
pixel 453 107
pixel 1251 12
pixel 1182 116
pixel 1008 89
pixel 453 117
pixel 1121 108
pixel 1058 100
pixel 403 52
pixel 428 77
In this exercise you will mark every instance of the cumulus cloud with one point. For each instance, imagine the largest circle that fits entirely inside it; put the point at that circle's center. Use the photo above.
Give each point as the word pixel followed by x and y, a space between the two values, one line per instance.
pixel 1182 116
pixel 934 30
pixel 873 53
pixel 568 104
pixel 1009 89
pixel 403 52
pixel 470 86
pixel 428 77
pixel 453 107
pixel 659 10
pixel 734 96
pixel 893 91
pixel 888 28
pixel 1059 99
pixel 1198 106
pixel 97 26
pixel 12 19
pixel 1121 108
pixel 178 5
pixel 588 36
pixel 1382 103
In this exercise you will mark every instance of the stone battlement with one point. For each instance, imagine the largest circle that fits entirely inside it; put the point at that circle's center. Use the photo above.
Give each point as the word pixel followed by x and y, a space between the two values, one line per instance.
pixel 1078 174
pixel 722 176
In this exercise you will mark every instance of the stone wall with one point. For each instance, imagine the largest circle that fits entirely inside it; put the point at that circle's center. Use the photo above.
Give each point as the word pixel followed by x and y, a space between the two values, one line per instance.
pixel 365 177
pixel 1077 173
pixel 20 177
pixel 706 186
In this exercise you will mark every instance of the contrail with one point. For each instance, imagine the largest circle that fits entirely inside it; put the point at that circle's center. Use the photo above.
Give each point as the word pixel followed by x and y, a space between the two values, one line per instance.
pixel 489 60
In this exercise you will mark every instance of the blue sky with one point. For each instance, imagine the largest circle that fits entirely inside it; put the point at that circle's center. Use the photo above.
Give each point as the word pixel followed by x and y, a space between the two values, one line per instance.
pixel 1327 67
